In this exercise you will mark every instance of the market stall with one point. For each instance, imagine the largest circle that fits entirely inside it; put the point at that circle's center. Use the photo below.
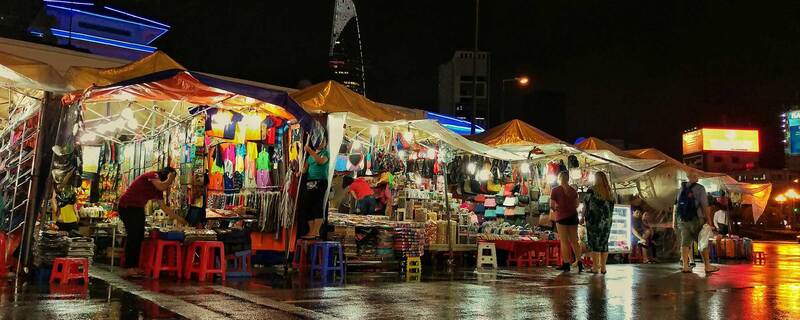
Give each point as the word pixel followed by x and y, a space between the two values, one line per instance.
pixel 29 106
pixel 234 147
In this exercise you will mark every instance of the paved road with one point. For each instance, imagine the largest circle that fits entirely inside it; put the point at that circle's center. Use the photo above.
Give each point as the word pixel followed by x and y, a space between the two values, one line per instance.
pixel 770 290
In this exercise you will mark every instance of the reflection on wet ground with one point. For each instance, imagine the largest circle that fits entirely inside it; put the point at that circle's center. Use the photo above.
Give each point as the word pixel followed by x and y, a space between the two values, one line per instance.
pixel 768 289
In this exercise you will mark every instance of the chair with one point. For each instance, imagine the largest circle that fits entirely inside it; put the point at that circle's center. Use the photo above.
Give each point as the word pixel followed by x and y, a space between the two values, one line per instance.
pixel 66 269
pixel 300 258
pixel 240 264
pixel 413 265
pixel 168 256
pixel 205 258
pixel 327 257
pixel 487 254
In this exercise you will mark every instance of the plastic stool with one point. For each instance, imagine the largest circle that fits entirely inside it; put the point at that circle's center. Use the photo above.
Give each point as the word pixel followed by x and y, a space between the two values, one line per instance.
pixel 300 258
pixel 66 269
pixel 525 259
pixel 174 258
pixel 413 265
pixel 485 257
pixel 326 257
pixel 713 252
pixel 240 264
pixel 201 259
pixel 3 264
pixel 553 254
pixel 146 254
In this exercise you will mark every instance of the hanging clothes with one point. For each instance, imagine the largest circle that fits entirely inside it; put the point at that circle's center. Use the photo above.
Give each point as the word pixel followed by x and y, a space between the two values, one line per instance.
pixel 262 169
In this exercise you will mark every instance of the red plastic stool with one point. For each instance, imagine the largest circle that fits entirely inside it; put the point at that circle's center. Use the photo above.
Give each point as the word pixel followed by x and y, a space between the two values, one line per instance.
pixel 66 269
pixel 300 258
pixel 3 264
pixel 171 250
pixel 553 255
pixel 205 258
pixel 524 259
pixel 146 254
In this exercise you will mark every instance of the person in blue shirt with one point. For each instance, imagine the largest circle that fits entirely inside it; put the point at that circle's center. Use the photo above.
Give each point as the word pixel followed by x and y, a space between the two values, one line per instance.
pixel 313 188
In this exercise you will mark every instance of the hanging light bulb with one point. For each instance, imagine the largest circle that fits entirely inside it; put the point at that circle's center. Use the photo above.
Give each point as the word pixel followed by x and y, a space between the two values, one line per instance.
pixel 356 145
pixel 127 113
pixel 525 168
pixel 551 178
pixel 373 130
pixel 409 136
pixel 413 156
pixel 132 124
pixel 471 168
pixel 401 154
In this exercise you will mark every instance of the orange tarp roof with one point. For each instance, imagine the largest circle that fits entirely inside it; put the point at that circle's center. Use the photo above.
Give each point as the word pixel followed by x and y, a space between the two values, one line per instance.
pixel 593 143
pixel 331 96
pixel 85 77
pixel 515 132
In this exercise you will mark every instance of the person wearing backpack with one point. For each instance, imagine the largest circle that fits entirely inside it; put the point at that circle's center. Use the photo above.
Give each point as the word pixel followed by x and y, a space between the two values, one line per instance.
pixel 692 212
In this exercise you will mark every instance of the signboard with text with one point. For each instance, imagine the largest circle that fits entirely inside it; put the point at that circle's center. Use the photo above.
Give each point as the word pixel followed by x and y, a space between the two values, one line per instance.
pixel 620 239
pixel 736 140
pixel 792 132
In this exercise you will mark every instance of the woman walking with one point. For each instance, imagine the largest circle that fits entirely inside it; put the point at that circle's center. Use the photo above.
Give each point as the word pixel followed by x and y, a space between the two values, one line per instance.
pixel 564 201
pixel 599 206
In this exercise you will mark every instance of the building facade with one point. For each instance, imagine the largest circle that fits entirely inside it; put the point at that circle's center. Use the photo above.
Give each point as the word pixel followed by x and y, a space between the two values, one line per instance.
pixel 455 86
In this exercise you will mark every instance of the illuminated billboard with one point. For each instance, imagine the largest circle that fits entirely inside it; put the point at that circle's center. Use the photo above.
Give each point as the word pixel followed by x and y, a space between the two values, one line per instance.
pixel 736 140
pixel 791 130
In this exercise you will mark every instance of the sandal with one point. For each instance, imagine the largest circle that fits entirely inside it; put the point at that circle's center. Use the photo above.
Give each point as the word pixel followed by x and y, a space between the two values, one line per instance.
pixel 714 269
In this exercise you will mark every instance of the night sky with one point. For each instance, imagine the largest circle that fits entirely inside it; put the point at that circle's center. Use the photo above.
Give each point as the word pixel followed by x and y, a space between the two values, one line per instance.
pixel 634 70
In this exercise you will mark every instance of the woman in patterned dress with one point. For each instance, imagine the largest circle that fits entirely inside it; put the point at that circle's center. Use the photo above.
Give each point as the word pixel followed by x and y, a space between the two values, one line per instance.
pixel 599 206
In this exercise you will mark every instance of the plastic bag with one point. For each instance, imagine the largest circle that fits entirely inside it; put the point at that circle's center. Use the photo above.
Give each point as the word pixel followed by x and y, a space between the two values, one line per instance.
pixel 705 235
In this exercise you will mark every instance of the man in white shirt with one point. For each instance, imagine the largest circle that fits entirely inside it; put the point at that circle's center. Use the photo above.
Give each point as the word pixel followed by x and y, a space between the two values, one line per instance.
pixel 721 220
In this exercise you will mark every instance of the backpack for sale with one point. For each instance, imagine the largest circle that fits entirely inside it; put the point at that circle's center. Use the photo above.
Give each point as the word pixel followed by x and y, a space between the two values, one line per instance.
pixel 687 203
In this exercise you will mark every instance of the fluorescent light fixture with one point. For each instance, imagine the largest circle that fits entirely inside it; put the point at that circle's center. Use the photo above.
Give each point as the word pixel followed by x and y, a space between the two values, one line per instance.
pixel 137 17
pixel 106 17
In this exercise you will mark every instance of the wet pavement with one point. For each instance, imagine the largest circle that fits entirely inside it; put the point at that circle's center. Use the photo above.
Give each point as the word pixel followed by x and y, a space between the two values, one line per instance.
pixel 768 289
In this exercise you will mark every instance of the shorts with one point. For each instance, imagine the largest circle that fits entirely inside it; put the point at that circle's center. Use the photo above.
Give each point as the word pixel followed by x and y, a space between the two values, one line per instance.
pixel 569 221
pixel 312 199
pixel 689 231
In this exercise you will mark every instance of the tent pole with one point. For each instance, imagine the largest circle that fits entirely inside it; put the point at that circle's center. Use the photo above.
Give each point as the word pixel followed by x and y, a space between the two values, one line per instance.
pixel 447 210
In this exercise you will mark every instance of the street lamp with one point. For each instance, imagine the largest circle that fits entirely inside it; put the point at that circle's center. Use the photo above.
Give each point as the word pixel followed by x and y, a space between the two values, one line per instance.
pixel 521 81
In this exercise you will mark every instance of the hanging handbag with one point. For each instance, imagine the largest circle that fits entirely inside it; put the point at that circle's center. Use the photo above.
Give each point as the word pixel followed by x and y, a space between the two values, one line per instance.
pixel 480 208
pixel 490 213
pixel 519 211
pixel 480 198
pixel 490 202
pixel 500 211
pixel 544 220
pixel 510 202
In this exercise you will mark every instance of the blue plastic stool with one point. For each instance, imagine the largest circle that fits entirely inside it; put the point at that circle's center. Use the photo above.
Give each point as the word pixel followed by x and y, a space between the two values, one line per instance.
pixel 712 251
pixel 327 257
pixel 240 264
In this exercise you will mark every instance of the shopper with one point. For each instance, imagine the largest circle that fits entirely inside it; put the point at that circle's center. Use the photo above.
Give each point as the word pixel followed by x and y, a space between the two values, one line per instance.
pixel 599 206
pixel 720 219
pixel 63 206
pixel 362 194
pixel 692 211
pixel 564 201
pixel 314 187
pixel 642 234
pixel 147 187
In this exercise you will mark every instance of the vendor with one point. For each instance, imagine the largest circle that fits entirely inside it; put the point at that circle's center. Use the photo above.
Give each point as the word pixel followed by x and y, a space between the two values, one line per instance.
pixel 147 187
pixel 362 193
pixel 642 234
pixel 314 187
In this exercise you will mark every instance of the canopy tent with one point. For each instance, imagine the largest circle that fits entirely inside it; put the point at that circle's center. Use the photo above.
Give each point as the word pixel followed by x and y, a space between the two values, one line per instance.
pixel 665 179
pixel 165 90
pixel 85 77
pixel 625 167
pixel 515 132
pixel 331 96
pixel 19 72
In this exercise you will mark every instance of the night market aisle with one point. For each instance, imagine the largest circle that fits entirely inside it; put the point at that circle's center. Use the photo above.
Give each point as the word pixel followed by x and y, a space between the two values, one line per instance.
pixel 745 290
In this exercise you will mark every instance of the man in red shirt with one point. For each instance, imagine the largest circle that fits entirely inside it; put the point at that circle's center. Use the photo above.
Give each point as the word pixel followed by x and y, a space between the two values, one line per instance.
pixel 362 193
pixel 149 186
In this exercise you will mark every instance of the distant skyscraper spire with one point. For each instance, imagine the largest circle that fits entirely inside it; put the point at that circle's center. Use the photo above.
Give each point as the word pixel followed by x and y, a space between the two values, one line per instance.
pixel 346 55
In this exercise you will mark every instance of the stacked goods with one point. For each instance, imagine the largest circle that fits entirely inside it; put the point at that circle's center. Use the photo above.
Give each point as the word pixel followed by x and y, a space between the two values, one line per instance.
pixel 347 237
pixel 81 247
pixel 49 246
pixel 192 235
pixel 366 241
pixel 431 232
pixel 385 243
pixel 441 231
pixel 409 241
